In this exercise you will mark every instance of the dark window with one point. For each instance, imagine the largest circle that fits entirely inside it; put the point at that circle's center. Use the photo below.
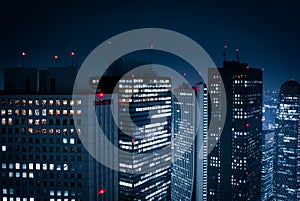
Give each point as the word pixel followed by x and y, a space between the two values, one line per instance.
pixel 52 85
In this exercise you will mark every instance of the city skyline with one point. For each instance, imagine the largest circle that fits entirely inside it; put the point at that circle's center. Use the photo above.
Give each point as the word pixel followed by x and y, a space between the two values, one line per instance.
pixel 265 33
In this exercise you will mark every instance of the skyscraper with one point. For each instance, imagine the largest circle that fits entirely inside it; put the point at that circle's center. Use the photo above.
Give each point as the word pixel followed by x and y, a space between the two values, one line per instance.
pixel 188 180
pixel 287 147
pixel 234 162
pixel 144 137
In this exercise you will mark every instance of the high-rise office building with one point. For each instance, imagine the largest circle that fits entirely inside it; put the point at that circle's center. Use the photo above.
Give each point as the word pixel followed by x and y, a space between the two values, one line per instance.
pixel 188 177
pixel 287 148
pixel 144 137
pixel 234 162
pixel 267 166
pixel 42 155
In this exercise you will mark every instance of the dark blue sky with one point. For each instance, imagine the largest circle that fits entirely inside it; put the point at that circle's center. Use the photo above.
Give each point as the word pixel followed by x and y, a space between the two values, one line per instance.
pixel 266 32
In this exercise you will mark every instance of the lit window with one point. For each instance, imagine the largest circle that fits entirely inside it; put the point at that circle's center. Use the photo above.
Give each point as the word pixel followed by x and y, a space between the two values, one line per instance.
pixel 37 112
pixel 23 112
pixel 51 166
pixel 78 112
pixel 50 102
pixel 51 112
pixel 2 112
pixel 17 174
pixel 72 141
pixel 24 174
pixel 24 166
pixel 37 166
pixel 31 175
pixel 3 165
pixel 58 167
pixel 71 112
pixel 65 131
pixel 31 199
pixel 51 131
pixel 52 193
pixel 17 166
pixel 44 121
pixel 65 102
pixel 30 112
pixel 57 102
pixel 44 112
pixel 30 121
pixel 58 131
pixel 71 102
pixel 72 131
pixel 66 193
pixel 4 191
pixel 37 122
pixel 30 102
pixel 57 112
pixel 37 102
pixel 9 112
pixel 30 166
pixel 58 193
pixel 65 140
pixel 44 102
pixel 3 121
pixel 9 122
pixel 44 166
pixel 17 112
pixel 23 102
pixel 10 174
pixel 65 112
pixel 30 130
pixel 44 131
pixel 17 102
pixel 78 102
pixel 3 148
pixel 65 167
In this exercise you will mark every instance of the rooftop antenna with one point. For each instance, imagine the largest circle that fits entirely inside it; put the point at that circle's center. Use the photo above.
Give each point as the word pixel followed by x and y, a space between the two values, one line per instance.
pixel 55 60
pixel 151 53
pixel 73 58
pixel 237 54
pixel 224 54
pixel 23 58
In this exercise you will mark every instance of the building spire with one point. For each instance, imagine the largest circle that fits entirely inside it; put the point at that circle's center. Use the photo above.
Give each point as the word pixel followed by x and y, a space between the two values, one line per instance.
pixel 224 54
pixel 237 54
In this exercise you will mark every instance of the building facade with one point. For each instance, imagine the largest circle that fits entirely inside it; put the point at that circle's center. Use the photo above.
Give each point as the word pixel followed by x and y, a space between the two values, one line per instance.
pixel 234 162
pixel 287 148
pixel 144 137
pixel 267 166
pixel 42 156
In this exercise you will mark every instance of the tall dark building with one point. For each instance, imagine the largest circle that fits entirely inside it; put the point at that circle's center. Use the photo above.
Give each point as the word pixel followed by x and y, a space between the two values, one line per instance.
pixel 234 163
pixel 287 147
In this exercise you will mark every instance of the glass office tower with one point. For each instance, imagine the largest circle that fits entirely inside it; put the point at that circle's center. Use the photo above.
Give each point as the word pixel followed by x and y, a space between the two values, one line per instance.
pixel 287 147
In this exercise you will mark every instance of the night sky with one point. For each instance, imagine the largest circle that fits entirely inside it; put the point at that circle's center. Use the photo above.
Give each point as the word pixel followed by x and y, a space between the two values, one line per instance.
pixel 267 33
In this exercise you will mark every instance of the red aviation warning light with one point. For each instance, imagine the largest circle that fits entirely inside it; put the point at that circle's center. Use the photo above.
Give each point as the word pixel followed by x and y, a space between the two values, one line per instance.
pixel 72 54
pixel 55 57
pixel 101 191
pixel 100 94
pixel 23 54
